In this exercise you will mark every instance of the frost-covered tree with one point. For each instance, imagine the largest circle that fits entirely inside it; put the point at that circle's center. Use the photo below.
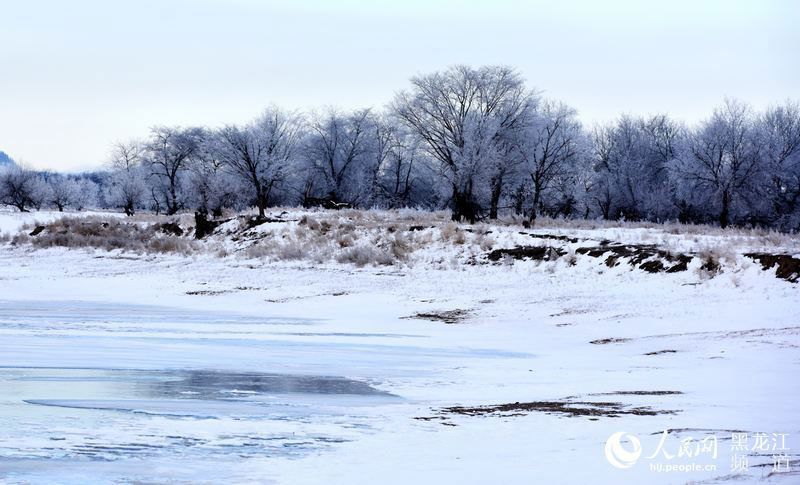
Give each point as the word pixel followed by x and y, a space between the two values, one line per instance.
pixel 780 132
pixel 64 192
pixel 631 158
pixel 211 186
pixel 721 163
pixel 463 116
pixel 340 156
pixel 405 178
pixel 550 148
pixel 22 188
pixel 87 194
pixel 260 154
pixel 168 153
pixel 126 186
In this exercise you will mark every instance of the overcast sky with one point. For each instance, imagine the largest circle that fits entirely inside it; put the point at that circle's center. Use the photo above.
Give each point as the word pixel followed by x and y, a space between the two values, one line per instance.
pixel 77 76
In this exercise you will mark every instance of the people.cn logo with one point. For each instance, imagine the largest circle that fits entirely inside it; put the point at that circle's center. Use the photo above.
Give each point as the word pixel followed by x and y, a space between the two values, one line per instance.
pixel 618 455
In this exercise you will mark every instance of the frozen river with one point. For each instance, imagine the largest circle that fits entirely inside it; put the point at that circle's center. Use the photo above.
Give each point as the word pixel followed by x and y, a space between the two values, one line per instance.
pixel 175 370
pixel 94 392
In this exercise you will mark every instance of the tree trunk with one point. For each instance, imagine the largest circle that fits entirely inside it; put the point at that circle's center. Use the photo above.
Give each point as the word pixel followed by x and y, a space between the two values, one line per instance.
pixel 173 203
pixel 463 207
pixel 535 207
pixel 724 215
pixel 497 188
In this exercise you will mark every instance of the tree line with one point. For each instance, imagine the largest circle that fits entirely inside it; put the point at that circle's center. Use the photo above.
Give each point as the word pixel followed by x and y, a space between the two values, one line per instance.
pixel 474 140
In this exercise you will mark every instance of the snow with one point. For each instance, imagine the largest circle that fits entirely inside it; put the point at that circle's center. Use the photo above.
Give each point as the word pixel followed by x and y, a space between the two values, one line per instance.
pixel 12 221
pixel 101 358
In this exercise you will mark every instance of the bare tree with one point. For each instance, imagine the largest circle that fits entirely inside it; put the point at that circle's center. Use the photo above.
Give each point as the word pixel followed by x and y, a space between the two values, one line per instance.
pixel 63 192
pixel 127 186
pixel 212 186
pixel 168 153
pixel 404 178
pixel 340 151
pixel 260 153
pixel 780 126
pixel 630 158
pixel 463 115
pixel 549 149
pixel 722 159
pixel 22 188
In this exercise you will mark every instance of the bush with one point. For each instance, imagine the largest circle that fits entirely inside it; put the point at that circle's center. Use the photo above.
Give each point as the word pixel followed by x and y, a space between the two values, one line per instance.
pixel 108 234
pixel 363 255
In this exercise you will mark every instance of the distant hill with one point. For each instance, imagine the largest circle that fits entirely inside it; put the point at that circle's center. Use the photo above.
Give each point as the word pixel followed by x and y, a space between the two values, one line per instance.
pixel 5 159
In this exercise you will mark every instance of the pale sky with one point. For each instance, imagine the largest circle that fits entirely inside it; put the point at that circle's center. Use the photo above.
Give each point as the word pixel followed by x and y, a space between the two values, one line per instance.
pixel 76 76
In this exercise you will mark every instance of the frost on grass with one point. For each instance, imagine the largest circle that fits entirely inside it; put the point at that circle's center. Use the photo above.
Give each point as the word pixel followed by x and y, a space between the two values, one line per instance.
pixel 108 234
pixel 414 238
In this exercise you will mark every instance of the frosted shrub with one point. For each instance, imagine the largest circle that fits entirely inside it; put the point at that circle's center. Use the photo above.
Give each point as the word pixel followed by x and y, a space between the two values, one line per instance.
pixel 363 255
pixel 571 258
pixel 344 240
pixel 712 260
pixel 400 247
pixel 108 234
pixel 291 251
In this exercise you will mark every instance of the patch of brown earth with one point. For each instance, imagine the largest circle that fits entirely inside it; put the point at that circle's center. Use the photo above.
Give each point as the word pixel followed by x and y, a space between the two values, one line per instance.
pixel 539 253
pixel 551 236
pixel 659 352
pixel 604 341
pixel 636 393
pixel 207 292
pixel 646 256
pixel 170 228
pixel 448 316
pixel 566 408
pixel 788 266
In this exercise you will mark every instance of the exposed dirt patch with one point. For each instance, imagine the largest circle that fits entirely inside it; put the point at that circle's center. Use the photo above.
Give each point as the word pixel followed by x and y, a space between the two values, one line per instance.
pixel 636 393
pixel 571 311
pixel 207 292
pixel 788 266
pixel 551 236
pixel 303 297
pixel 566 408
pixel 660 352
pixel 646 256
pixel 539 253
pixel 255 221
pixel 170 228
pixel 604 341
pixel 448 316
pixel 204 226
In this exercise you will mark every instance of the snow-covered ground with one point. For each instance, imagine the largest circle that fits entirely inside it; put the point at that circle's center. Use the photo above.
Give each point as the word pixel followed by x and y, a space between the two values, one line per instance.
pixel 207 369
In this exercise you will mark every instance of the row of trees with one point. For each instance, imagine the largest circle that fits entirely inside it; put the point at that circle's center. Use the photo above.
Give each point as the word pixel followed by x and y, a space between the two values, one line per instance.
pixel 476 140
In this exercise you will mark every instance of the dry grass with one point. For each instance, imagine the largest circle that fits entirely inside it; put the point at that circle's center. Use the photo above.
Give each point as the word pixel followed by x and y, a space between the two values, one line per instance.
pixel 403 237
pixel 107 233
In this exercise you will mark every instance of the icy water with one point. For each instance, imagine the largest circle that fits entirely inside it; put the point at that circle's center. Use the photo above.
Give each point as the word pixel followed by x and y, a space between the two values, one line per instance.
pixel 97 393
pixel 101 393
pixel 87 425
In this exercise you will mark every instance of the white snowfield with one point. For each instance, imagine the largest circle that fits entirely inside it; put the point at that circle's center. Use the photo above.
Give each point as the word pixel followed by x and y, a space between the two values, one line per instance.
pixel 117 367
